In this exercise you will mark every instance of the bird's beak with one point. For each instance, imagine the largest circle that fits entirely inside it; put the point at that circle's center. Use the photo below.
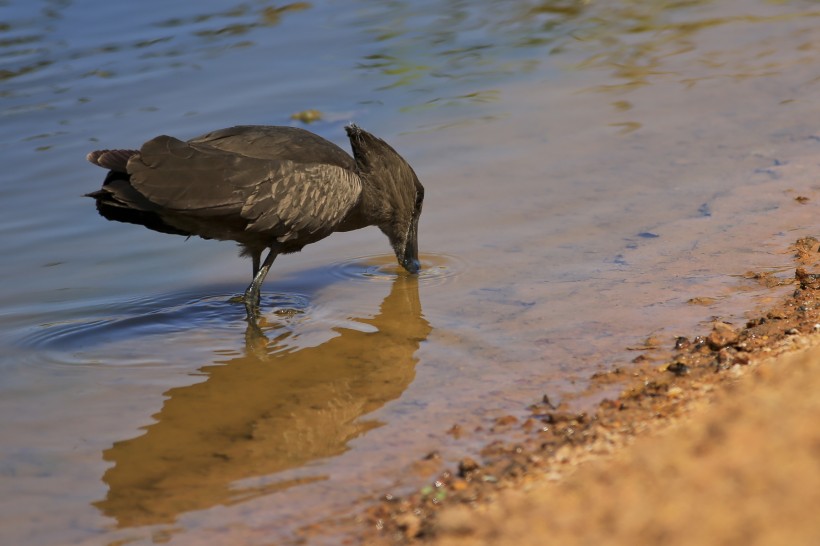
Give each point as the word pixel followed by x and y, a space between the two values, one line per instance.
pixel 410 259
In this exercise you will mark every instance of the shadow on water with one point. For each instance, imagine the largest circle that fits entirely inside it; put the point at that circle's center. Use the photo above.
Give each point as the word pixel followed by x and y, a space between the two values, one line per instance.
pixel 262 413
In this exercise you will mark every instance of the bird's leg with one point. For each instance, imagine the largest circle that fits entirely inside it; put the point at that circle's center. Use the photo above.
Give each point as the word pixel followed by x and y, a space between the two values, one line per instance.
pixel 252 294
pixel 255 258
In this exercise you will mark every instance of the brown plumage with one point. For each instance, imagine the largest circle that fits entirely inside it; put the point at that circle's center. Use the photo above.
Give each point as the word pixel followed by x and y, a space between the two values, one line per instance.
pixel 265 187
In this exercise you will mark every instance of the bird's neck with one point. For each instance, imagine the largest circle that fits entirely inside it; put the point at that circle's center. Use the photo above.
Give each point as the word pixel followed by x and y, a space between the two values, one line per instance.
pixel 373 208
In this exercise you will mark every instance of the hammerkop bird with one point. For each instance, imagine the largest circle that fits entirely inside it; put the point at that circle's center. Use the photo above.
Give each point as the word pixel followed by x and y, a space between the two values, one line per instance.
pixel 265 187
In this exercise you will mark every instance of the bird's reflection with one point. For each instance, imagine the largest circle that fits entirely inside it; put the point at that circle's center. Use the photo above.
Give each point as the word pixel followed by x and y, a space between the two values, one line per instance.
pixel 263 413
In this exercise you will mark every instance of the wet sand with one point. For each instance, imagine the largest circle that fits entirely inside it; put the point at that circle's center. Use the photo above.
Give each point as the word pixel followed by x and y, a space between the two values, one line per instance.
pixel 713 442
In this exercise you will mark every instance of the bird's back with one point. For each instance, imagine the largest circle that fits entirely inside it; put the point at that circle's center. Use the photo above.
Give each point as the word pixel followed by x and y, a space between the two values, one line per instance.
pixel 280 143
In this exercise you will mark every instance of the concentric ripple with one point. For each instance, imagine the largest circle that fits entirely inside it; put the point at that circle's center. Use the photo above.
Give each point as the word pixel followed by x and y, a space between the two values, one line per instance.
pixel 289 320
pixel 435 268
pixel 166 314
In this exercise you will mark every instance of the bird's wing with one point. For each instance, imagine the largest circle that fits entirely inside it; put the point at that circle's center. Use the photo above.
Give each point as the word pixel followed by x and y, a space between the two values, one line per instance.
pixel 301 199
pixel 281 197
pixel 196 179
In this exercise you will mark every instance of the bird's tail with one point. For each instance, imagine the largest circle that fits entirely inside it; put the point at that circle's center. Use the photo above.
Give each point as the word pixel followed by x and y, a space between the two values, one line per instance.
pixel 114 160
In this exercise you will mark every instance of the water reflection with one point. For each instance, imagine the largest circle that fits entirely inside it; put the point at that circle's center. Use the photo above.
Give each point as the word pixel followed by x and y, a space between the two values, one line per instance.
pixel 637 42
pixel 422 55
pixel 31 38
pixel 421 46
pixel 262 413
pixel 248 18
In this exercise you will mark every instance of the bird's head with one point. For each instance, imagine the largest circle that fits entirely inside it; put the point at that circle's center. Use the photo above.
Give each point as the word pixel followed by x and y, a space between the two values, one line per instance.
pixel 393 192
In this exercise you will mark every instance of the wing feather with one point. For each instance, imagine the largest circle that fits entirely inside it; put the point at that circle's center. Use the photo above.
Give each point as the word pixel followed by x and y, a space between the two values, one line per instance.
pixel 302 199
pixel 195 178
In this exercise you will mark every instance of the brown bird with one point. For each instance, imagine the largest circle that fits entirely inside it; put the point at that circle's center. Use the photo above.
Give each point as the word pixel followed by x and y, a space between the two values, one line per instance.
pixel 265 187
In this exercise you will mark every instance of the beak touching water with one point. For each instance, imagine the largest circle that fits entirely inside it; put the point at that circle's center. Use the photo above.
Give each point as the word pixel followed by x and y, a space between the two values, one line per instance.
pixel 410 259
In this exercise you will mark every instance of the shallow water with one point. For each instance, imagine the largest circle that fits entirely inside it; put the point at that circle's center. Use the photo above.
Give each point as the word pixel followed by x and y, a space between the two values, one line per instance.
pixel 589 169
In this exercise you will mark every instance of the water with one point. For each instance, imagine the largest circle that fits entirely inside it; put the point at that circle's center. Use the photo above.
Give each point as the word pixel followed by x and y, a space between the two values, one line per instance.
pixel 589 168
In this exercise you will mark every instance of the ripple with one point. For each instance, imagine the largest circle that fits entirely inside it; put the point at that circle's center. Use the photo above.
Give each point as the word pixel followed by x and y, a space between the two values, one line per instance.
pixel 435 268
pixel 169 314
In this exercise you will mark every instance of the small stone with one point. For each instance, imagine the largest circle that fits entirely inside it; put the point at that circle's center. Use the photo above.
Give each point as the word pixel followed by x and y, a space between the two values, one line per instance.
pixel 506 421
pixel 678 368
pixel 459 484
pixel 806 279
pixel 653 341
pixel 674 392
pixel 701 300
pixel 456 431
pixel 529 424
pixel 547 402
pixel 466 466
pixel 742 359
pixel 726 355
pixel 722 335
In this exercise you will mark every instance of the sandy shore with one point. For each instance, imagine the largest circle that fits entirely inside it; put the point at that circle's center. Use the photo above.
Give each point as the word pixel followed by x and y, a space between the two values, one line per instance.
pixel 717 444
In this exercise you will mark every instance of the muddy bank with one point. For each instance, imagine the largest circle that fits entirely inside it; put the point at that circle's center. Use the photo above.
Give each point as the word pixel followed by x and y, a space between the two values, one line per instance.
pixel 713 442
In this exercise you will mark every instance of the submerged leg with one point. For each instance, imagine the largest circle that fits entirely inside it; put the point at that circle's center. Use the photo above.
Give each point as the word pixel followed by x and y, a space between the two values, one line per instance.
pixel 252 294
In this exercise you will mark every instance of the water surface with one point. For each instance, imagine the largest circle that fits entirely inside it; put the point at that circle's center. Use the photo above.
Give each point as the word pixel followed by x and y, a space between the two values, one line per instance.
pixel 589 169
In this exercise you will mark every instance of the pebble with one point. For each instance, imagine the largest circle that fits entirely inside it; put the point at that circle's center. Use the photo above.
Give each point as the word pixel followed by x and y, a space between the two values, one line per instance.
pixel 674 392
pixel 466 466
pixel 722 335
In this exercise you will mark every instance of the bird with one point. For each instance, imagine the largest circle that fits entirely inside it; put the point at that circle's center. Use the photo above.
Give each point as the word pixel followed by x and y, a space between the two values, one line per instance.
pixel 268 188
